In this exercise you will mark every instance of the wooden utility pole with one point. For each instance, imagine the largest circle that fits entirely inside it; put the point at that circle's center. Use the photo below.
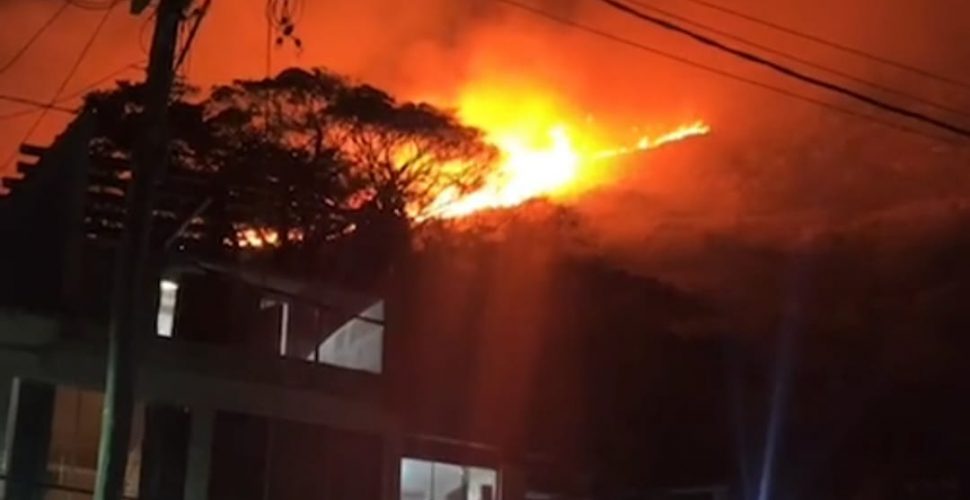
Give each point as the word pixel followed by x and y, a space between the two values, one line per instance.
pixel 130 308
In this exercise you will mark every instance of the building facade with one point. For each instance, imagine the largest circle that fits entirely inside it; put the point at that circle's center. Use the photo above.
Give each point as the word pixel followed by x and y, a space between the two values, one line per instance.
pixel 248 385
pixel 253 384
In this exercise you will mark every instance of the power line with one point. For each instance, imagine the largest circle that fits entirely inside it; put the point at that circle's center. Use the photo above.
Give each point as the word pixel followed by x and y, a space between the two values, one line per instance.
pixel 199 14
pixel 18 114
pixel 34 37
pixel 143 35
pixel 835 45
pixel 36 104
pixel 726 74
pixel 67 79
pixel 137 65
pixel 83 89
pixel 798 75
pixel 83 53
pixel 91 5
pixel 269 39
pixel 802 60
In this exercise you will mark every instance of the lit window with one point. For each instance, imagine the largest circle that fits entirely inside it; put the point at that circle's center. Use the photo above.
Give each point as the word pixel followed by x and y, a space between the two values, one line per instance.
pixel 168 293
pixel 426 480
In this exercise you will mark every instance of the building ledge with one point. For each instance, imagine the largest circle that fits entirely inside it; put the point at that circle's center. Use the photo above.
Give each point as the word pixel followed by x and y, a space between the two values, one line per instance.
pixel 25 329
pixel 196 375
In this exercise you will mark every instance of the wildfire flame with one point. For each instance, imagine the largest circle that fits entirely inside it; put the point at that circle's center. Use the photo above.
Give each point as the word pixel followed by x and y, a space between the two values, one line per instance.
pixel 645 143
pixel 543 154
pixel 257 238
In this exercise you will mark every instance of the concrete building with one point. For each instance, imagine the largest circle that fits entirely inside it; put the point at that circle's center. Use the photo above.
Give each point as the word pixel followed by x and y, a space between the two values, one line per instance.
pixel 255 385
pixel 248 385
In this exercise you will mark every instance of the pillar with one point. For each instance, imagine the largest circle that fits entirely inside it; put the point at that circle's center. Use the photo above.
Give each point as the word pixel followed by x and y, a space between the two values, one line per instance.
pixel 164 447
pixel 6 386
pixel 200 454
pixel 512 481
pixel 28 437
pixel 393 451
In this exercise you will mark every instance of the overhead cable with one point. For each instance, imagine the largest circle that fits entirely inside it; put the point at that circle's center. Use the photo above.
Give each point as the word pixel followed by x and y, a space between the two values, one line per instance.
pixel 799 59
pixel 67 79
pixel 787 71
pixel 836 45
pixel 34 37
pixel 549 16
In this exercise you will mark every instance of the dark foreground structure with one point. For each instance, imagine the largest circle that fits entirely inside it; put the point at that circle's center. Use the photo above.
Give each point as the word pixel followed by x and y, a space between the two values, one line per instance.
pixel 510 372
pixel 435 382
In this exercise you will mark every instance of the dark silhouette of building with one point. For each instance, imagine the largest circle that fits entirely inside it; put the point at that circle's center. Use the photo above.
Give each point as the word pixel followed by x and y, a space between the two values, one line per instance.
pixel 512 371
pixel 253 383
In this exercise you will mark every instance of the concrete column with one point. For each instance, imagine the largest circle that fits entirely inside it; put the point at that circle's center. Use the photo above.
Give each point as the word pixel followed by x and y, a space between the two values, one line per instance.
pixel 6 388
pixel 391 473
pixel 28 432
pixel 512 482
pixel 200 454
pixel 163 464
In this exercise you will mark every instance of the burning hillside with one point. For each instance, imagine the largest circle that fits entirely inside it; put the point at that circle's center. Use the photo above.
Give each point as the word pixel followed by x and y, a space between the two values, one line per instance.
pixel 546 150
pixel 340 155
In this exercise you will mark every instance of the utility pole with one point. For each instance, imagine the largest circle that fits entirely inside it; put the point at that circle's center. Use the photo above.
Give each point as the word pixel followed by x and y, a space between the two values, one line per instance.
pixel 129 309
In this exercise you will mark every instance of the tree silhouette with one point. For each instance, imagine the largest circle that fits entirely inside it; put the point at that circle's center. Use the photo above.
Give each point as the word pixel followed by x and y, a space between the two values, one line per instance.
pixel 398 156
pixel 298 162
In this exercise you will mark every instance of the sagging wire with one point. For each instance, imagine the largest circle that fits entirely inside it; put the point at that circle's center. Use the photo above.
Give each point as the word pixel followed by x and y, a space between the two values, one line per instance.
pixel 187 33
pixel 144 36
pixel 93 5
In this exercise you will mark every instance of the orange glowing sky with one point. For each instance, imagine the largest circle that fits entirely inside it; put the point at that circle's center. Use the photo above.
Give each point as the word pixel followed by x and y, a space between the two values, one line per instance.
pixel 588 92
pixel 435 45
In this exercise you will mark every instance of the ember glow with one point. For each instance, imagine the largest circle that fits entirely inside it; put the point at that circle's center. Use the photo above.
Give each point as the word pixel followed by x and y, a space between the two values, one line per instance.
pixel 545 152
pixel 257 238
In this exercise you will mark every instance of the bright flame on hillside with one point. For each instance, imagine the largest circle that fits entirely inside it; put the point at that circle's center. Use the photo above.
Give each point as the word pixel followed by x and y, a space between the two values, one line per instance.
pixel 646 143
pixel 543 154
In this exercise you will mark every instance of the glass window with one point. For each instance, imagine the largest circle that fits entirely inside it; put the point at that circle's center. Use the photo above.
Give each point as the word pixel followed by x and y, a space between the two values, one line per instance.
pixel 357 344
pixel 448 482
pixel 482 483
pixel 415 479
pixel 75 434
pixel 427 480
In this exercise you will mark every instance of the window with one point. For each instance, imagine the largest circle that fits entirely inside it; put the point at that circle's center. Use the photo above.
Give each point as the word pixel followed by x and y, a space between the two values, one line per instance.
pixel 349 337
pixel 284 321
pixel 427 480
pixel 167 295
pixel 75 435
pixel 358 343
